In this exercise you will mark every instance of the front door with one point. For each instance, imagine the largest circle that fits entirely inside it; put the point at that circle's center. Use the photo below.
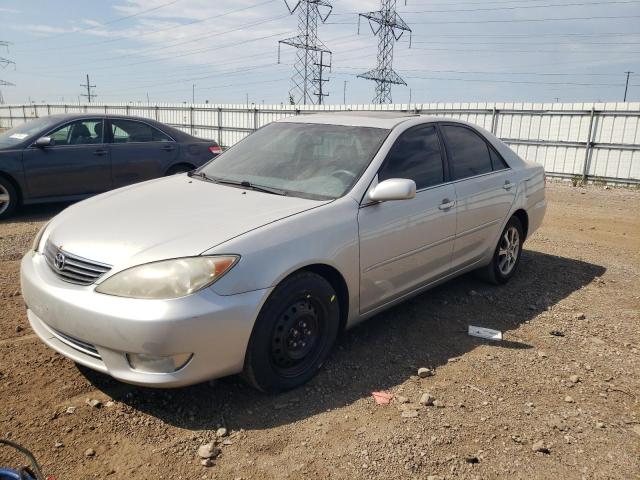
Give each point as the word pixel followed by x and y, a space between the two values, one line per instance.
pixel 485 191
pixel 407 243
pixel 77 163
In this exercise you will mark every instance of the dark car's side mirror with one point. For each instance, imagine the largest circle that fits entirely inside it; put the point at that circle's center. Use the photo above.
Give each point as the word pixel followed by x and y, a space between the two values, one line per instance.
pixel 45 142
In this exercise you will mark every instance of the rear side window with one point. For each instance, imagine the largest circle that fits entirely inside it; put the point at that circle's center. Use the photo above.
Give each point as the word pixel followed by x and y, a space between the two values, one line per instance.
pixel 497 161
pixel 129 131
pixel 468 153
pixel 416 155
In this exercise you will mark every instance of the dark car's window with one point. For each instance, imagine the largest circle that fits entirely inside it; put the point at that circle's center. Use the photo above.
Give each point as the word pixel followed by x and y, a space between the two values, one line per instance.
pixel 415 155
pixel 468 152
pixel 22 132
pixel 129 131
pixel 303 159
pixel 82 132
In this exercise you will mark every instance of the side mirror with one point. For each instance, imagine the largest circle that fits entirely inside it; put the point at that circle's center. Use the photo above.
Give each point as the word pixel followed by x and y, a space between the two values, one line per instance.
pixel 393 189
pixel 44 142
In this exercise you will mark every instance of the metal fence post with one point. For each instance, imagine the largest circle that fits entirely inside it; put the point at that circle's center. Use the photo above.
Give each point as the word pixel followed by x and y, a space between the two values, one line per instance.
pixel 220 126
pixel 494 120
pixel 255 118
pixel 588 148
pixel 191 118
pixel 156 110
pixel 24 113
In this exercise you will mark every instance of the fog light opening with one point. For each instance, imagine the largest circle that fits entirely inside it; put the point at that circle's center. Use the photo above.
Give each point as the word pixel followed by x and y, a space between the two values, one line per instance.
pixel 146 363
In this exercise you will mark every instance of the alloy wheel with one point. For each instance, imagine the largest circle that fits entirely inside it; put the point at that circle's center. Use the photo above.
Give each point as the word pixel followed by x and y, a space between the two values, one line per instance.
pixel 509 250
pixel 5 199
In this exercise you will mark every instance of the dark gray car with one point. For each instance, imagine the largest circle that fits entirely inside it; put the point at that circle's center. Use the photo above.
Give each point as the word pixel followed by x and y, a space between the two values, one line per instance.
pixel 69 157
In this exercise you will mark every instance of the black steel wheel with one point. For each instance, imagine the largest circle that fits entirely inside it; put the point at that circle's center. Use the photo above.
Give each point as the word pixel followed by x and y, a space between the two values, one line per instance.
pixel 294 333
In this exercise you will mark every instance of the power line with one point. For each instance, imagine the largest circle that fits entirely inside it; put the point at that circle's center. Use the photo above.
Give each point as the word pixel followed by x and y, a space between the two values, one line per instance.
pixel 389 27
pixel 110 22
pixel 307 81
pixel 524 20
pixel 137 35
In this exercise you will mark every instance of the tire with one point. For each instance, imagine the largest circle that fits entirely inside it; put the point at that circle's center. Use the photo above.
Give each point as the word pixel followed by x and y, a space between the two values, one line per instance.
pixel 8 198
pixel 506 256
pixel 179 168
pixel 293 334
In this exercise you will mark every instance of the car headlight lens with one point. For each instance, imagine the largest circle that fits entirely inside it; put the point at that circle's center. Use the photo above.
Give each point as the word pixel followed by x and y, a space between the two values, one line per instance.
pixel 38 238
pixel 168 278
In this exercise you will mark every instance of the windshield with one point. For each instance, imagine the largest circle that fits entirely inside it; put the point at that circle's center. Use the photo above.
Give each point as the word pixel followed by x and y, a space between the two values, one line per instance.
pixel 25 130
pixel 301 159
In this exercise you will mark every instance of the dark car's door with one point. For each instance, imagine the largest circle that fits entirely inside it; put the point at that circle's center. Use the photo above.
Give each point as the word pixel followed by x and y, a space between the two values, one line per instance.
pixel 139 151
pixel 77 163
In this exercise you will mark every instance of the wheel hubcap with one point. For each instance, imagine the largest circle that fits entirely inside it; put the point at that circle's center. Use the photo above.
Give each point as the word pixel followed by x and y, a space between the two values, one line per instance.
pixel 4 199
pixel 509 250
pixel 296 336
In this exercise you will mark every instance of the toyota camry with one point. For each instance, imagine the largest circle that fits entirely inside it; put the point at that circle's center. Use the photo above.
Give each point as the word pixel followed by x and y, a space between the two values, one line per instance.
pixel 256 261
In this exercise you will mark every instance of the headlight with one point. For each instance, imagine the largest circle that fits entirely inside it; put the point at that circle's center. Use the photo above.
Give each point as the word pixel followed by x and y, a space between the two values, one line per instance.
pixel 38 239
pixel 168 278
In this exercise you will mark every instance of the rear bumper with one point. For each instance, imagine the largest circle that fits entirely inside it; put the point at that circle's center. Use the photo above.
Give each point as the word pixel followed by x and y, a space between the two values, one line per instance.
pixel 98 330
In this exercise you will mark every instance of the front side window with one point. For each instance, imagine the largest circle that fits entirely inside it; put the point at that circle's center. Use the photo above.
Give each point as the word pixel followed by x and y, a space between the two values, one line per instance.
pixel 129 131
pixel 82 132
pixel 415 155
pixel 303 159
pixel 468 152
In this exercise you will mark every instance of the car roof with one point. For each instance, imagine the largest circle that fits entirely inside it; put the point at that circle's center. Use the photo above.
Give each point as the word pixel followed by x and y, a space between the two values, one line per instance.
pixel 375 119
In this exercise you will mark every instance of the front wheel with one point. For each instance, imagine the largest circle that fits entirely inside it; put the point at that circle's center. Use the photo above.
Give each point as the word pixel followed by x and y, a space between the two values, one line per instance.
pixel 8 198
pixel 293 334
pixel 506 256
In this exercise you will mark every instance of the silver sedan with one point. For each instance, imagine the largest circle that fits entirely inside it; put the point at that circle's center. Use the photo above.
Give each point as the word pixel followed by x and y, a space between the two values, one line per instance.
pixel 256 261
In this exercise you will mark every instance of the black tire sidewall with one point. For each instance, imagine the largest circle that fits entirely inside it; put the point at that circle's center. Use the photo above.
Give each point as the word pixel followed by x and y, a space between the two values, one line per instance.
pixel 258 364
pixel 13 197
pixel 498 275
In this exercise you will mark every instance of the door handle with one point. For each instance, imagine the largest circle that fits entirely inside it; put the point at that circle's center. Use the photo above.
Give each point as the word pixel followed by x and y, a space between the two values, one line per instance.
pixel 168 148
pixel 507 185
pixel 100 152
pixel 446 204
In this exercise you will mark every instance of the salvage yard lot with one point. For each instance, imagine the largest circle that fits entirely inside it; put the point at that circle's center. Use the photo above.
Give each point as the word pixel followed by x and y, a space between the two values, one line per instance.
pixel 565 379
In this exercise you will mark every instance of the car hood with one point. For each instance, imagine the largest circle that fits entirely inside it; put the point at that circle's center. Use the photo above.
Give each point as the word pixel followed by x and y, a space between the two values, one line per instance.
pixel 166 218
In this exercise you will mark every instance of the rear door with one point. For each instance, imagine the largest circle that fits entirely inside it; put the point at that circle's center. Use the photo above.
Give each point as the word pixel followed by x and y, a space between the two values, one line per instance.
pixel 408 243
pixel 139 151
pixel 485 191
pixel 78 163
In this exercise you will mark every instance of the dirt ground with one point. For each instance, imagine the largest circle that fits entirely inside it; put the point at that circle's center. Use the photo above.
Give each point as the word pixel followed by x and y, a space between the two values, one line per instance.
pixel 557 398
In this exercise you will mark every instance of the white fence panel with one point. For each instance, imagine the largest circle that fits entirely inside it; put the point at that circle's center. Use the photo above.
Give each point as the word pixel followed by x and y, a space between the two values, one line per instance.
pixel 600 140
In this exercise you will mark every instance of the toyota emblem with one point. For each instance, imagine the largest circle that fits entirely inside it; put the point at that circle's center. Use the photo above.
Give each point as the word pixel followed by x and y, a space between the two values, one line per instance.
pixel 59 261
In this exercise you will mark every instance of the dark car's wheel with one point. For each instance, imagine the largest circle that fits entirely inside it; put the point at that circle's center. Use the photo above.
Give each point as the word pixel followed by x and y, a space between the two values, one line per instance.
pixel 293 334
pixel 506 256
pixel 8 198
pixel 180 168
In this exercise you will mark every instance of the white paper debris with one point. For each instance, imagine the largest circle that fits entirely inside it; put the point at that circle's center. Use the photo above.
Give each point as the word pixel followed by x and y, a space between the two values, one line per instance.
pixel 487 333
pixel 19 136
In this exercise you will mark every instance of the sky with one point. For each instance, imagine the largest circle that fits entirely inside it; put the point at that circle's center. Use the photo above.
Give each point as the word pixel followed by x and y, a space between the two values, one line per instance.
pixel 461 50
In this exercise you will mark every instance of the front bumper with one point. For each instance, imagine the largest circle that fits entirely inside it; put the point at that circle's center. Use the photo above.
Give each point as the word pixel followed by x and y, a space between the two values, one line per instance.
pixel 97 330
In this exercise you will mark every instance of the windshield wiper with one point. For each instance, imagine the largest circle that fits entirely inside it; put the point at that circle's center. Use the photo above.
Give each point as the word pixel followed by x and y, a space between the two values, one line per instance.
pixel 201 175
pixel 252 186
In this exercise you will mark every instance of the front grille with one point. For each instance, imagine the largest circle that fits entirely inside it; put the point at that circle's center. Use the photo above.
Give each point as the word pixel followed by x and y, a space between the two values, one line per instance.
pixel 79 345
pixel 71 268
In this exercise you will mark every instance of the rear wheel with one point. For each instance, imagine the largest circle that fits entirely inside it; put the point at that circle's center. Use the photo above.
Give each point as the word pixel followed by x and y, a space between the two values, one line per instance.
pixel 180 168
pixel 506 256
pixel 8 198
pixel 293 334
